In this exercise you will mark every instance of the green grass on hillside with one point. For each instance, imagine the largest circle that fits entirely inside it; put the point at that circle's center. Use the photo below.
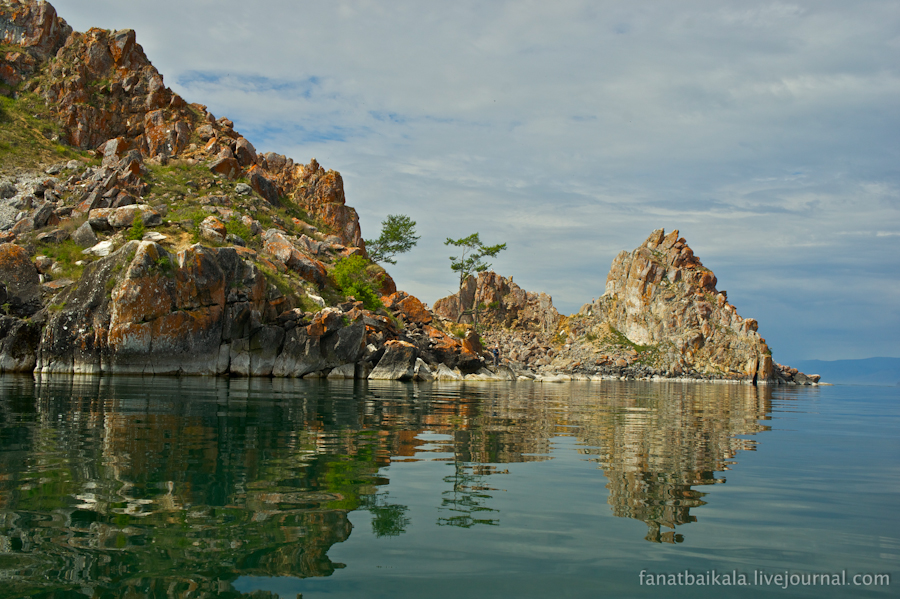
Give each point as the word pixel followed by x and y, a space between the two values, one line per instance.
pixel 27 130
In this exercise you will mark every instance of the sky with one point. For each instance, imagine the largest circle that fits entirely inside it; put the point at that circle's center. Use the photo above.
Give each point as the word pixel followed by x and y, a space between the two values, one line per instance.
pixel 768 133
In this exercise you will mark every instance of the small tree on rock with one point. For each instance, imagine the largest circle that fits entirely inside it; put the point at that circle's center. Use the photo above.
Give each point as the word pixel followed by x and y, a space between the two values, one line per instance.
pixel 471 259
pixel 398 236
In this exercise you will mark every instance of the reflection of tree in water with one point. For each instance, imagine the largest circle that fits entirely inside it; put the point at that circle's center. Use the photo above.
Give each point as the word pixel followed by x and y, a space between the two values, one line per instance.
pixel 104 486
pixel 388 520
pixel 466 499
pixel 654 442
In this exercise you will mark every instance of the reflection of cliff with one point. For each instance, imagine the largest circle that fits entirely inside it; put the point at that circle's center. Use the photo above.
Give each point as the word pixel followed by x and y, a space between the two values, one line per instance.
pixel 123 485
pixel 654 441
pixel 655 447
pixel 122 493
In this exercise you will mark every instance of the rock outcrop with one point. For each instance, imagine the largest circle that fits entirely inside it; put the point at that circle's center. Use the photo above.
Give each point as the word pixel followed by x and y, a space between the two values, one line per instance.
pixel 662 300
pixel 20 291
pixel 499 303
pixel 108 97
pixel 660 316
pixel 398 362
pixel 208 311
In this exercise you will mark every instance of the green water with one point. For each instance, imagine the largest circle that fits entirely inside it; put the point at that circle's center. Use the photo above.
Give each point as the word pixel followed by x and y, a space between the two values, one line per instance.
pixel 168 487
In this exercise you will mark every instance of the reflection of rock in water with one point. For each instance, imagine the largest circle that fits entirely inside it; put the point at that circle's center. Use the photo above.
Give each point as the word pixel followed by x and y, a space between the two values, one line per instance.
pixel 181 486
pixel 654 500
pixel 118 491
pixel 655 447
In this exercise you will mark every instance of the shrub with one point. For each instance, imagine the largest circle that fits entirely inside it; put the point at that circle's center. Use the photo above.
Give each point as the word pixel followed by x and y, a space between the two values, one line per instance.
pixel 352 278
pixel 136 232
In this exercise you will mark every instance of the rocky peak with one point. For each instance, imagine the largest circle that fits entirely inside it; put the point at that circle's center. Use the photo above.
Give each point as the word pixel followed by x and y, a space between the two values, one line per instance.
pixel 34 26
pixel 660 295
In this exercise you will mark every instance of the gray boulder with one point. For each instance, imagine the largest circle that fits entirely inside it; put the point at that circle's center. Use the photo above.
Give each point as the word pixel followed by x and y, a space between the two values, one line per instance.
pixel 398 362
pixel 305 353
pixel 85 236
pixel 256 355
pixel 18 344
pixel 344 371
pixel 42 215
pixel 20 284
pixel 7 190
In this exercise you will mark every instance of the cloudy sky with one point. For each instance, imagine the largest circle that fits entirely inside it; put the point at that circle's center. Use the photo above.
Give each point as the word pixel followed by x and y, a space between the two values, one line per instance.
pixel 766 132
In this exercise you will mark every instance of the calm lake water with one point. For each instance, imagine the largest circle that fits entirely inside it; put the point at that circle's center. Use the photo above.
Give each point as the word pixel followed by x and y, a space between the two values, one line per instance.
pixel 189 487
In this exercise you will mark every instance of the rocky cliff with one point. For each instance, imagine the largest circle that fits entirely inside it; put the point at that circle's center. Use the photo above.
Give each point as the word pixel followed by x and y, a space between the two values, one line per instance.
pixel 499 303
pixel 107 96
pixel 141 234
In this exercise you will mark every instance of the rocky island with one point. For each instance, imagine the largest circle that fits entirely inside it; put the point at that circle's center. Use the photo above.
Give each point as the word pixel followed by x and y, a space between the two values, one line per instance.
pixel 140 234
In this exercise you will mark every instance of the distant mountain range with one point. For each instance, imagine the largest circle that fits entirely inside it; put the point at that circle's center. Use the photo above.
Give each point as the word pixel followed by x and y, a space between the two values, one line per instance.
pixel 870 371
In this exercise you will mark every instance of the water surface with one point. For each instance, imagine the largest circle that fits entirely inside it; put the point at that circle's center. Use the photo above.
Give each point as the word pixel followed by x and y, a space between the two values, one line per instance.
pixel 192 487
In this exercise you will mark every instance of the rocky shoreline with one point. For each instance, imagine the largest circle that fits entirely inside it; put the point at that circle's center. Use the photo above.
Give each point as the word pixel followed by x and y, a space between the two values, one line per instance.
pixel 140 234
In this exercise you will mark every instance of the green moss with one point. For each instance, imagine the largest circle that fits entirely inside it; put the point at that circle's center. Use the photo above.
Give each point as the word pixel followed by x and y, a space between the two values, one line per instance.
pixel 236 226
pixel 281 282
pixel 164 266
pixel 458 330
pixel 181 178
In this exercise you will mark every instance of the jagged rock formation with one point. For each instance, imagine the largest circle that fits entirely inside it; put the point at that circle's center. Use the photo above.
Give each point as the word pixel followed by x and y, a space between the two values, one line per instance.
pixel 500 303
pixel 660 316
pixel 109 97
pixel 142 310
pixel 171 174
pixel 661 297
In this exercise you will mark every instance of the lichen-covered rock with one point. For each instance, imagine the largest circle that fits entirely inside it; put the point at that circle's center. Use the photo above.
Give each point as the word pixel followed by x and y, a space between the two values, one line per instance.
pixel 264 187
pixel 226 166
pixel 33 26
pixel 256 355
pixel 408 307
pixel 124 216
pixel 85 236
pixel 321 193
pixel 278 245
pixel 75 336
pixel 213 229
pixel 143 310
pixel 316 348
pixel 18 344
pixel 244 152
